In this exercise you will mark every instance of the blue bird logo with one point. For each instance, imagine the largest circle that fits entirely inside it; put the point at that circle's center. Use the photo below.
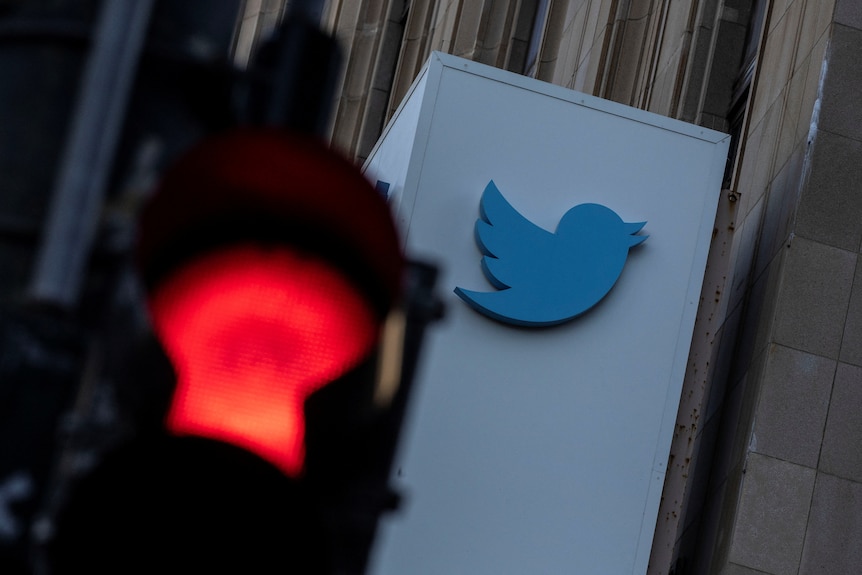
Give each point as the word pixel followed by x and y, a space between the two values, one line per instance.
pixel 547 278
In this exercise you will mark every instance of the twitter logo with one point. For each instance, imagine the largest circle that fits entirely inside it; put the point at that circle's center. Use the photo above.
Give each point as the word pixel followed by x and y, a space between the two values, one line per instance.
pixel 547 278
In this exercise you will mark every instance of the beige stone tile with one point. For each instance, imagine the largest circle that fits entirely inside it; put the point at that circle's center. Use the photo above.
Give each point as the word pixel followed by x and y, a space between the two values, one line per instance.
pixel 363 54
pixel 464 23
pixel 495 31
pixel 791 411
pixel 787 134
pixel 747 165
pixel 763 97
pixel 698 60
pixel 814 297
pixel 661 97
pixel 604 13
pixel 640 9
pixel 849 13
pixel 372 125
pixel 762 159
pixel 790 26
pixel 773 511
pixel 348 16
pixel 743 252
pixel 814 66
pixel 815 22
pixel 552 41
pixel 764 302
pixel 594 62
pixel 579 81
pixel 443 26
pixel 566 50
pixel 732 446
pixel 755 332
pixel 778 10
pixel 777 60
pixel 778 216
pixel 596 20
pixel 840 110
pixel 830 207
pixel 344 139
pixel 841 455
pixel 834 530
pixel 675 31
pixel 851 343
pixel 626 73
pixel 575 33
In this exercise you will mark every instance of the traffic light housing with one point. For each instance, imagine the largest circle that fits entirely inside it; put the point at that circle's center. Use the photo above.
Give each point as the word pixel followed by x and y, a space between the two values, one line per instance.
pixel 268 260
pixel 273 272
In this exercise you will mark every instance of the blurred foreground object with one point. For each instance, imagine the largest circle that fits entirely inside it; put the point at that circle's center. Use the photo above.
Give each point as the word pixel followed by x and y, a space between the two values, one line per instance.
pixel 278 291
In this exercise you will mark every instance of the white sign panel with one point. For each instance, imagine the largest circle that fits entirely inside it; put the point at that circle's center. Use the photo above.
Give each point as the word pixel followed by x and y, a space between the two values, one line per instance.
pixel 537 448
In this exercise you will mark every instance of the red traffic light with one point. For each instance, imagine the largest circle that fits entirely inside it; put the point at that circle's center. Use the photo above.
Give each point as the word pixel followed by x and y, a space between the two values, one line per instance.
pixel 252 333
pixel 270 264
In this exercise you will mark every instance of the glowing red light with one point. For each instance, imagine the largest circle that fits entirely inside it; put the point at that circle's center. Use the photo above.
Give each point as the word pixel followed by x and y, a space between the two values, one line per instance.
pixel 252 332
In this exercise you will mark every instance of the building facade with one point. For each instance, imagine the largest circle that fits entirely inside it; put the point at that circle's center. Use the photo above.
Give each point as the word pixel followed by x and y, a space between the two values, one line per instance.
pixel 765 472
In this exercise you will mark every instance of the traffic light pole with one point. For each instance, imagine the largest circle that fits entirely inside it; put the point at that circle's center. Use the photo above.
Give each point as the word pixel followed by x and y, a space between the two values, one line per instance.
pixel 289 86
pixel 87 161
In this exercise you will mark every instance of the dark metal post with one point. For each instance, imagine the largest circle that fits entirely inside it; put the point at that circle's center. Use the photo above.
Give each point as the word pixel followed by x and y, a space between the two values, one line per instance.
pixel 87 161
